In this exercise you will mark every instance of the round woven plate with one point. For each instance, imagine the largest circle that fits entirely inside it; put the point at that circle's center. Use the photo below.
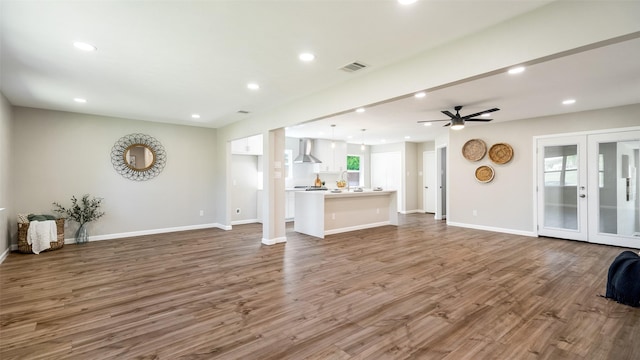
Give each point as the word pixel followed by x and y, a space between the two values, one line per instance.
pixel 474 149
pixel 501 153
pixel 484 173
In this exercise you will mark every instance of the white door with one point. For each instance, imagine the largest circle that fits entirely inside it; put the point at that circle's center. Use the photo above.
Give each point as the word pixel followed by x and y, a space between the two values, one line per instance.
pixel 614 182
pixel 429 181
pixel 588 188
pixel 562 187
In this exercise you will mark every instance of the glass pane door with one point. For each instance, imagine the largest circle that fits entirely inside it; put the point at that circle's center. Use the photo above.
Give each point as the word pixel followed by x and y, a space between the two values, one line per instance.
pixel 615 179
pixel 562 188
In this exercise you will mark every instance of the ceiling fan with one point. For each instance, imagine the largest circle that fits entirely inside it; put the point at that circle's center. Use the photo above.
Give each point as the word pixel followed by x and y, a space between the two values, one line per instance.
pixel 457 121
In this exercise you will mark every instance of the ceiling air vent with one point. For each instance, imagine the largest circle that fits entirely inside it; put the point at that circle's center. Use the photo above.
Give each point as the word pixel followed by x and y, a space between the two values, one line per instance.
pixel 353 67
pixel 243 112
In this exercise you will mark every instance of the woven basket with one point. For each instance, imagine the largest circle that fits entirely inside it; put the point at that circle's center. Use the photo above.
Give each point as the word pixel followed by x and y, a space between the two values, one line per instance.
pixel 23 245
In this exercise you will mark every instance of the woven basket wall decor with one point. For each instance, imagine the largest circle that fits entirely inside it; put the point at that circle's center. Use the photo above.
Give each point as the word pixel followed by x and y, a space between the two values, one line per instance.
pixel 474 150
pixel 484 174
pixel 501 153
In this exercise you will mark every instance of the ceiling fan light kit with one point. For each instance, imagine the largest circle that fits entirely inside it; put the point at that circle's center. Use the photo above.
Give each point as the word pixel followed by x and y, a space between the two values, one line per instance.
pixel 457 124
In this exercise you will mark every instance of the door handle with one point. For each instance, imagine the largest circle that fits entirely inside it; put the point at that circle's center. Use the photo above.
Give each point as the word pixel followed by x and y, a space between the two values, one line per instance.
pixel 583 195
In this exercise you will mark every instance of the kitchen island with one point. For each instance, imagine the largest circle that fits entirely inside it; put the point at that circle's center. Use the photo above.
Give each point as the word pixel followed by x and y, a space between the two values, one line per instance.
pixel 320 213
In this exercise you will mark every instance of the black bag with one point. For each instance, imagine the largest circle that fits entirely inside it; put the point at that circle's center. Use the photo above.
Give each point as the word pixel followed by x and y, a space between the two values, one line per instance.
pixel 623 281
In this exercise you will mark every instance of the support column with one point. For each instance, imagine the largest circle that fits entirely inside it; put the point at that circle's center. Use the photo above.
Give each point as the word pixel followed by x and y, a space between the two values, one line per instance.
pixel 273 223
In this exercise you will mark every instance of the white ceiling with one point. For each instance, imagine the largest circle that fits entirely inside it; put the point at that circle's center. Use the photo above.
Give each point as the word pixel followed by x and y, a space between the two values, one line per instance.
pixel 163 61
pixel 603 77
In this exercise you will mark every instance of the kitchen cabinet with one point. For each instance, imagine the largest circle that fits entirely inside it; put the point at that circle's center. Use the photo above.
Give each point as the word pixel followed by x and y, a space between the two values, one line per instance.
pixel 334 159
pixel 251 145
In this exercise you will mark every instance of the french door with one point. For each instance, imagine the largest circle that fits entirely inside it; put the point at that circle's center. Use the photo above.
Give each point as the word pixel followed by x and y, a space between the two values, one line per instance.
pixel 588 187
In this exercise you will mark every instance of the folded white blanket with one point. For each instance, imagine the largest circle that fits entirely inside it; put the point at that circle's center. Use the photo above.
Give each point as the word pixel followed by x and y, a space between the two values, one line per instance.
pixel 40 234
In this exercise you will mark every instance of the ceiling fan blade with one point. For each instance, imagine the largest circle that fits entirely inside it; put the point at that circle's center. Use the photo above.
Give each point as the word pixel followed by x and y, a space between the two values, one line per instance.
pixel 427 121
pixel 479 113
pixel 447 124
pixel 449 114
pixel 478 120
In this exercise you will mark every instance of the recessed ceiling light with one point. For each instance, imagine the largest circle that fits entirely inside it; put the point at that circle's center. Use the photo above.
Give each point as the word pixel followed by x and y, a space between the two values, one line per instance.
pixel 84 46
pixel 306 57
pixel 421 94
pixel 383 141
pixel 407 137
pixel 360 110
pixel 516 70
pixel 569 101
pixel 407 2
pixel 195 116
pixel 253 86
pixel 427 124
pixel 80 100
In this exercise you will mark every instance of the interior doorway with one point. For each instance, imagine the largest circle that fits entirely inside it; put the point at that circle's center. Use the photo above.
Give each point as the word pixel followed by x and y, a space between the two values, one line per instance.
pixel 441 183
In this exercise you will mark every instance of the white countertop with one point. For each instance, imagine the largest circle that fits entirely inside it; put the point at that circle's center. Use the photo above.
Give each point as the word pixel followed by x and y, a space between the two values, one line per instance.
pixel 345 193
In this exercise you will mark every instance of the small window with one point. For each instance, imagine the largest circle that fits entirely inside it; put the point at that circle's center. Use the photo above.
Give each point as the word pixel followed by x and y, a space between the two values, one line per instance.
pixel 354 171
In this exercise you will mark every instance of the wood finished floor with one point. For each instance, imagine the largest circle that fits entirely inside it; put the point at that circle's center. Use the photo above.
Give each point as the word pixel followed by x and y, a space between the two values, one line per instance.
pixel 418 291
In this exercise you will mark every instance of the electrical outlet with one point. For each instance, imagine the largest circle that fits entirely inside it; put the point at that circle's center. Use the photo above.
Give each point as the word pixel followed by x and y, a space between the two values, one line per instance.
pixel 201 212
pixel 378 211
pixel 475 212
pixel 333 216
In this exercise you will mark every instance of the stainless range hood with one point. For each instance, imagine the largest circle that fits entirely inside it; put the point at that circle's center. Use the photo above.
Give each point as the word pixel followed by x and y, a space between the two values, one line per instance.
pixel 305 152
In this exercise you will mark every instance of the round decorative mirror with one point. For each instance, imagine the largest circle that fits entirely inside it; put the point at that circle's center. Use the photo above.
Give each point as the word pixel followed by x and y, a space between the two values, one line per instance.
pixel 138 157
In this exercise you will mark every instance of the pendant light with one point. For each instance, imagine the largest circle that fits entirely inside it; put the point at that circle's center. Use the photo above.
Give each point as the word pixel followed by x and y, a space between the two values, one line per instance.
pixel 362 146
pixel 333 136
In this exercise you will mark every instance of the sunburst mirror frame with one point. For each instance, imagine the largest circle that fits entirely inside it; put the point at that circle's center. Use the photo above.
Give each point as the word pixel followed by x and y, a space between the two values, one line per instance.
pixel 125 143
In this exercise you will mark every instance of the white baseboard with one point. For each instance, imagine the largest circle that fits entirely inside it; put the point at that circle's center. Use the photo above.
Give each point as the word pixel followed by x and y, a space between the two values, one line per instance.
pixel 150 232
pixel 358 227
pixel 415 211
pixel 6 253
pixel 14 247
pixel 274 240
pixel 494 229
pixel 242 222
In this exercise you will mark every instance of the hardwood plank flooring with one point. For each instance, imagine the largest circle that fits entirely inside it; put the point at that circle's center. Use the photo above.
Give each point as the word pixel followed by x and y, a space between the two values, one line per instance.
pixel 421 290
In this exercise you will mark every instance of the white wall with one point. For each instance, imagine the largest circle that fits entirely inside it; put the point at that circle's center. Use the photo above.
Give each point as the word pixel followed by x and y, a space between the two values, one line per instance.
pixel 508 201
pixel 6 154
pixel 59 154
pixel 410 177
pixel 244 187
pixel 421 148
